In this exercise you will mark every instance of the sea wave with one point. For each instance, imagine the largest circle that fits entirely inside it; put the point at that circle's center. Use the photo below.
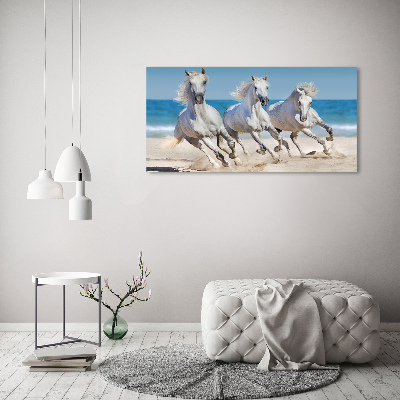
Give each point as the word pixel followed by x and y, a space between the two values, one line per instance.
pixel 160 128
pixel 344 127
pixel 170 128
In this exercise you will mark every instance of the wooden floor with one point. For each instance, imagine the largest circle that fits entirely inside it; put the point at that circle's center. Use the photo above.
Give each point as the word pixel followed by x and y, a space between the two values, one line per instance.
pixel 379 379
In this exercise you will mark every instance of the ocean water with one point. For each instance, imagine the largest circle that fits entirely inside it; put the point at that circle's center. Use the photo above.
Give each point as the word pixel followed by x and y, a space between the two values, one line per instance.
pixel 341 115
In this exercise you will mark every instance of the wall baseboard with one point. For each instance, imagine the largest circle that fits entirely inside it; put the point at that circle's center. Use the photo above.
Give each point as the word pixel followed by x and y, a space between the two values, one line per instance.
pixel 92 327
pixel 138 327
pixel 390 326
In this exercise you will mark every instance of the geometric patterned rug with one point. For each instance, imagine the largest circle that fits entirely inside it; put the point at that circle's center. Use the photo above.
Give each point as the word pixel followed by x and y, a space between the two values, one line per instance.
pixel 185 371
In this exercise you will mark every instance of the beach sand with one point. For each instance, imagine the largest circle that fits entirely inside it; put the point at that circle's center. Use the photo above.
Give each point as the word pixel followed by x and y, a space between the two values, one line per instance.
pixel 186 158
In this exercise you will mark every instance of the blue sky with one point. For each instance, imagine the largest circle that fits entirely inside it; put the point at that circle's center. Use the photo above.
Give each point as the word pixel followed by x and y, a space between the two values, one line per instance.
pixel 333 83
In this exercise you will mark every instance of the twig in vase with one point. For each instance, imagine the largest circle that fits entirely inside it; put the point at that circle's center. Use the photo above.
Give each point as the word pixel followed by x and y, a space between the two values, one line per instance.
pixel 139 283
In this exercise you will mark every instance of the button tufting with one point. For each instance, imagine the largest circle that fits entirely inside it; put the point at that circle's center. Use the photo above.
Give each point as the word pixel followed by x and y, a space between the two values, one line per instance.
pixel 329 295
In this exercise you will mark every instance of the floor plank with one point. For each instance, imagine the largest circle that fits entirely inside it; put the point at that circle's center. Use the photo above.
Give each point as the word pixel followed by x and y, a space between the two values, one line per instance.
pixel 361 383
pixel 135 341
pixel 13 362
pixel 379 379
pixel 98 386
pixel 199 338
pixel 163 338
pixel 149 340
pixel 348 389
pixel 57 392
pixel 298 396
pixel 55 389
pixel 129 395
pixel 183 338
pixel 332 392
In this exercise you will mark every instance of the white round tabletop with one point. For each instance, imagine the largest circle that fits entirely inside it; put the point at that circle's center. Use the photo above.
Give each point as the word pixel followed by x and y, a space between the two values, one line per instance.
pixel 65 278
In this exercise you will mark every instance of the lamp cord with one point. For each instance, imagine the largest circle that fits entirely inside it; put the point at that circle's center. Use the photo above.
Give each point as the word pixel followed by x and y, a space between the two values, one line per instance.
pixel 79 88
pixel 72 69
pixel 79 85
pixel 44 84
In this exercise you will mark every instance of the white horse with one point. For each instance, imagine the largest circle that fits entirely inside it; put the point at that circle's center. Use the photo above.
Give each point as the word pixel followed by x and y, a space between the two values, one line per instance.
pixel 296 115
pixel 249 116
pixel 198 123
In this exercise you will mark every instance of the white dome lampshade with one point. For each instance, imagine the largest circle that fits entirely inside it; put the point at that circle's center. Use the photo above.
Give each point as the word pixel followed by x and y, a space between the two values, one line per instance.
pixel 80 206
pixel 44 187
pixel 71 161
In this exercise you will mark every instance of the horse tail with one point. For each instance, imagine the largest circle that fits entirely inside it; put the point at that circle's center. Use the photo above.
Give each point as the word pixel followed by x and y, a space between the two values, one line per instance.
pixel 169 142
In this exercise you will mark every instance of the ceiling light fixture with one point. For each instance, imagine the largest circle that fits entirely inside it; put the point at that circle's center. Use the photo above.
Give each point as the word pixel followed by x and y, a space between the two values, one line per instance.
pixel 44 186
pixel 72 165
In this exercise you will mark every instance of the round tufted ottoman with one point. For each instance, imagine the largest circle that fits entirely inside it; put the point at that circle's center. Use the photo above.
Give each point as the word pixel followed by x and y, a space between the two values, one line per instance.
pixel 231 330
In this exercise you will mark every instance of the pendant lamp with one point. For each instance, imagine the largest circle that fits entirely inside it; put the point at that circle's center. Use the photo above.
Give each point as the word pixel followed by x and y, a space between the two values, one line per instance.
pixel 44 186
pixel 72 165
pixel 80 206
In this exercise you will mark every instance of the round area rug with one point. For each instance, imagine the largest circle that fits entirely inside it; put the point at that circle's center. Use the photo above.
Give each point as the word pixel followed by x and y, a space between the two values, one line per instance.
pixel 185 371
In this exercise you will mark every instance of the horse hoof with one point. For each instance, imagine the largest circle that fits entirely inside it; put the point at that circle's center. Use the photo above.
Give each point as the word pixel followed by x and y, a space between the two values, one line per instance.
pixel 327 152
pixel 277 149
pixel 278 160
pixel 329 139
pixel 259 151
pixel 238 161
pixel 311 153
pixel 225 164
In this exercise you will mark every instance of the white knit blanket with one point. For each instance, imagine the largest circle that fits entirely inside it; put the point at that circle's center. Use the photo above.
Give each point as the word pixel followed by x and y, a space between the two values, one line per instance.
pixel 291 327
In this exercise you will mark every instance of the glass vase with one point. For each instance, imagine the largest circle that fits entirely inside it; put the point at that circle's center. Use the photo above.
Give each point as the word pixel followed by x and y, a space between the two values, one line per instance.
pixel 115 327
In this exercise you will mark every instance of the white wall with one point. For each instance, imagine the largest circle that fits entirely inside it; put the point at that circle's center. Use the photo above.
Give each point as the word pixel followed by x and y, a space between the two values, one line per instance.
pixel 192 228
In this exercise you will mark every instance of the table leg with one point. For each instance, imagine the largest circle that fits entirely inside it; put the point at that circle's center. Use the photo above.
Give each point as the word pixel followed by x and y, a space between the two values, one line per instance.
pixel 73 339
pixel 63 311
pixel 100 311
pixel 36 286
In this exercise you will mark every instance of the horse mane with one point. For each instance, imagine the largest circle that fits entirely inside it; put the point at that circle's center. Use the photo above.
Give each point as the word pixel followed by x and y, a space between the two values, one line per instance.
pixel 183 93
pixel 308 87
pixel 240 92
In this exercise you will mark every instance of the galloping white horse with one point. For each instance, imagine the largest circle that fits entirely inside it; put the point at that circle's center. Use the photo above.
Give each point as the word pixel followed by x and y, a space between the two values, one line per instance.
pixel 198 123
pixel 249 116
pixel 296 115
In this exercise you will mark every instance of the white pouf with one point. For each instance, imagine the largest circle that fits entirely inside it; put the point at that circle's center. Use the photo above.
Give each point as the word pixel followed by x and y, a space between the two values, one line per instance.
pixel 231 330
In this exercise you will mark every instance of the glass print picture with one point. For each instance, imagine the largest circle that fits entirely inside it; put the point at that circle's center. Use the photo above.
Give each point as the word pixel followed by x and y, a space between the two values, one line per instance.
pixel 228 119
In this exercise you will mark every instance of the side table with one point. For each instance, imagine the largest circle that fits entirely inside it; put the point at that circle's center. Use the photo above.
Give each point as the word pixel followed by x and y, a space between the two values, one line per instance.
pixel 66 278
